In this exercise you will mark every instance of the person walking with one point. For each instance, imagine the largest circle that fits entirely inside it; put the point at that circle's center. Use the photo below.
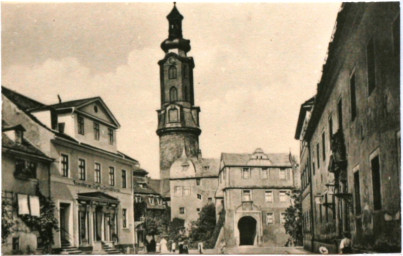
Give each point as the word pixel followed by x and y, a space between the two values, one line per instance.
pixel 345 244
pixel 173 246
pixel 163 244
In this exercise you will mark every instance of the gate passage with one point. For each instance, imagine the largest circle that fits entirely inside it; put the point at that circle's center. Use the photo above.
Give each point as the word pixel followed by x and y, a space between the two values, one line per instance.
pixel 247 230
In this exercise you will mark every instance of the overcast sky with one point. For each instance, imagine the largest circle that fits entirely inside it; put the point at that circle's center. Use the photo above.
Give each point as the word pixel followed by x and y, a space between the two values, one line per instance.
pixel 255 64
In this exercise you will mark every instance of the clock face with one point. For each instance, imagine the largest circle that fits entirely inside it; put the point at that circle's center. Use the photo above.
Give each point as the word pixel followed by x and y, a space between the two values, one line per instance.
pixel 171 60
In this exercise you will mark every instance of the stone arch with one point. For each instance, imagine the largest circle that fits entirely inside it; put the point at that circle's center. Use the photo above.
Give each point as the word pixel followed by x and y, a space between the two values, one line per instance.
pixel 247 226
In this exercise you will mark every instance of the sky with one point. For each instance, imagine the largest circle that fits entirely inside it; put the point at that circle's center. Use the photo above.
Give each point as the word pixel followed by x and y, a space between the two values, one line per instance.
pixel 256 63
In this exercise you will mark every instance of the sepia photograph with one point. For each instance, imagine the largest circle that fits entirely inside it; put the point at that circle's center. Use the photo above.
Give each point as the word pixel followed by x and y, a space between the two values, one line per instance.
pixel 106 149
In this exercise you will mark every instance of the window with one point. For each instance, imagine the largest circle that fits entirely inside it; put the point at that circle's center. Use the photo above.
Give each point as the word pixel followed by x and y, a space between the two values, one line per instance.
pixel 357 192
pixel 80 121
pixel 268 196
pixel 246 196
pixel 151 200
pixel 198 182
pixel 173 115
pixel 96 130
pixel 65 165
pixel 124 185
pixel 245 173
pixel 181 210
pixel 172 72
pixel 81 169
pixel 282 174
pixel 97 173
pixel 209 200
pixel 199 196
pixel 353 97
pixel 173 94
pixel 323 147
pixel 371 65
pixel 396 36
pixel 313 168
pixel 111 137
pixel 283 196
pixel 24 169
pixel 318 155
pixel 330 129
pixel 340 114
pixel 186 191
pixel 111 176
pixel 269 218
pixel 282 217
pixel 264 173
pixel 376 183
pixel 178 191
pixel 198 209
pixel 124 218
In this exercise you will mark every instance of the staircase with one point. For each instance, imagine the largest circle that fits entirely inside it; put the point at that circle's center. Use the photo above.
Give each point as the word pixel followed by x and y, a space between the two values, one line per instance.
pixel 109 248
pixel 67 249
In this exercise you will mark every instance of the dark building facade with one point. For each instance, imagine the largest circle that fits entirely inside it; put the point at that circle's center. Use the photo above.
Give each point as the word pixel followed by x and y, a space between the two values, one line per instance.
pixel 353 134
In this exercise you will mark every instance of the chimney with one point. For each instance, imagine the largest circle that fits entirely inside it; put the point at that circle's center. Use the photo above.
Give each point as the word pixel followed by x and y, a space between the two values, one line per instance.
pixel 60 99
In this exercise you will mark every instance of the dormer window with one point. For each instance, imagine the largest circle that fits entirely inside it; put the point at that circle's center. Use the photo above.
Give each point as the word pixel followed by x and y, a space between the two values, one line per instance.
pixel 172 72
pixel 80 122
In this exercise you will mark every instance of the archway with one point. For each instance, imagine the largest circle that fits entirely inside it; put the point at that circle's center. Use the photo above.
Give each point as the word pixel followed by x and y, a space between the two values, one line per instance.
pixel 247 230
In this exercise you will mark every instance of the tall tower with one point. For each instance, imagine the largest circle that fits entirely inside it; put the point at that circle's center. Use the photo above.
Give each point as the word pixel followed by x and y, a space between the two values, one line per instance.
pixel 178 118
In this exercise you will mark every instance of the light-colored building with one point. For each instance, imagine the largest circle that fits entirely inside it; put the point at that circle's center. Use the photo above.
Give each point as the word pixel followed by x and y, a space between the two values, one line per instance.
pixel 353 134
pixel 25 181
pixel 193 183
pixel 90 180
pixel 255 191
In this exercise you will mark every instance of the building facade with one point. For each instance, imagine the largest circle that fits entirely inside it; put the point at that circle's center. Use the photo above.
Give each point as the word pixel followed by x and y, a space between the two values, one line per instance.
pixel 25 179
pixel 90 180
pixel 353 134
pixel 255 192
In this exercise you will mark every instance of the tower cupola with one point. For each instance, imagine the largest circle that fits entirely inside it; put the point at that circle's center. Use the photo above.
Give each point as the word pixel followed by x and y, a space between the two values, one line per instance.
pixel 175 39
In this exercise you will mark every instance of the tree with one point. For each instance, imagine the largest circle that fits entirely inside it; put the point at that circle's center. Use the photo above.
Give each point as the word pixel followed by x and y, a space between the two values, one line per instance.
pixel 293 218
pixel 202 230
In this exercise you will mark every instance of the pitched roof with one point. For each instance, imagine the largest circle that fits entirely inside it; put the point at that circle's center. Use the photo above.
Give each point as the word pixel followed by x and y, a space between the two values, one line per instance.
pixel 174 14
pixel 144 190
pixel 24 147
pixel 306 106
pixel 22 101
pixel 276 159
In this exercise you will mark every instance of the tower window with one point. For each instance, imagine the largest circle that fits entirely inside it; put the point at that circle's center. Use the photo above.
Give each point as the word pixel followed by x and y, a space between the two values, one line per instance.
pixel 173 115
pixel 172 72
pixel 376 183
pixel 357 192
pixel 353 98
pixel 173 94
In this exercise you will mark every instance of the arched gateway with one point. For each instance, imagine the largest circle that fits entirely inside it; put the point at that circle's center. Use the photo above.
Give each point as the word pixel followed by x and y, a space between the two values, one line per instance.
pixel 247 230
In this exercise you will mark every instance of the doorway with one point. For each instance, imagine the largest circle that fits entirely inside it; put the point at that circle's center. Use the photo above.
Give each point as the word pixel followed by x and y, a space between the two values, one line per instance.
pixel 247 230
pixel 64 224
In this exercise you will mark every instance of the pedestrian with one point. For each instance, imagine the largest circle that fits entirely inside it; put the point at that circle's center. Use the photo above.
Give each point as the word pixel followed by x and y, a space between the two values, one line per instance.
pixel 200 247
pixel 173 246
pixel 151 246
pixel 345 244
pixel 163 244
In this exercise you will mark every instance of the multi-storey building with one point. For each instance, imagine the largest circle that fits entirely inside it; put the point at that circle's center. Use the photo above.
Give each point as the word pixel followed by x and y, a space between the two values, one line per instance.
pixel 353 134
pixel 25 178
pixel 304 167
pixel 90 180
pixel 193 183
pixel 255 191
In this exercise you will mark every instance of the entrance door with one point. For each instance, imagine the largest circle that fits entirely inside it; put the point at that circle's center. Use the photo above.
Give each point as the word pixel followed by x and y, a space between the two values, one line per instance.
pixel 64 224
pixel 247 230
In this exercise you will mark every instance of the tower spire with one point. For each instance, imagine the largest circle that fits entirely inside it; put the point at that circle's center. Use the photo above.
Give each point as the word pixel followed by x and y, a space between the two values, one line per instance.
pixel 175 38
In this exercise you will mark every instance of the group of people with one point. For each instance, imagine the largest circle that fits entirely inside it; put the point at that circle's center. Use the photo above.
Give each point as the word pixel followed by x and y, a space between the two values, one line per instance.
pixel 162 247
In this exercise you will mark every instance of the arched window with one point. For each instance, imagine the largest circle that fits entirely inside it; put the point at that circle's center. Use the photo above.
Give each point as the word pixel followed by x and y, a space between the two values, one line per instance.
pixel 172 72
pixel 173 94
pixel 173 115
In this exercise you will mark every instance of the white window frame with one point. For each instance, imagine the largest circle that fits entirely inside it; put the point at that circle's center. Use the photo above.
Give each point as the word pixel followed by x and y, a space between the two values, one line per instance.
pixel 68 165
pixel 268 192
pixel 100 173
pixel 271 218
pixel 85 169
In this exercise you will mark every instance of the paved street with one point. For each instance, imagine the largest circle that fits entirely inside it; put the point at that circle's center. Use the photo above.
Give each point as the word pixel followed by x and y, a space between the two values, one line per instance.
pixel 257 250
